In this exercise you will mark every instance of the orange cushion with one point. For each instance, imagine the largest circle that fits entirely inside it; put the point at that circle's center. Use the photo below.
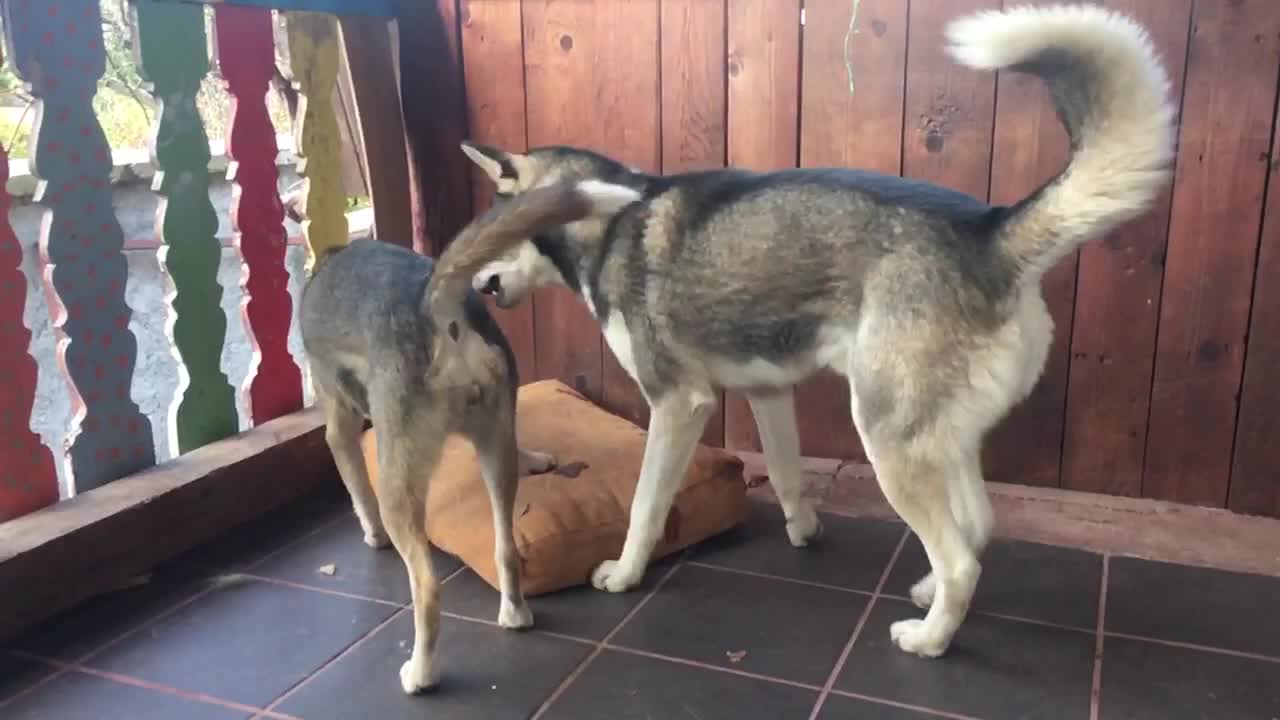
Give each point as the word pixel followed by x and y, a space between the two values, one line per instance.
pixel 565 526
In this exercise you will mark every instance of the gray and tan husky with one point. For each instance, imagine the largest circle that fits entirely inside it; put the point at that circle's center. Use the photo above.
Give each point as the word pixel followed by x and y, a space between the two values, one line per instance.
pixel 397 339
pixel 927 300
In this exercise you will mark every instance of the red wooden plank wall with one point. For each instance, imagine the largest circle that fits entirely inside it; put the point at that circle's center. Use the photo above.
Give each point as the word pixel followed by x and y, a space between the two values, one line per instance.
pixel 1164 377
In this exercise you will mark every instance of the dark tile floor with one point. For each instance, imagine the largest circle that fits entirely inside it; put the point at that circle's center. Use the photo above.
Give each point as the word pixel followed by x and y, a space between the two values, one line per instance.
pixel 743 627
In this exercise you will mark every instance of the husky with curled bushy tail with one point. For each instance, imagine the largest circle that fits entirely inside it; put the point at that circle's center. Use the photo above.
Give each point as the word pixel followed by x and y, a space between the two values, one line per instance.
pixel 927 300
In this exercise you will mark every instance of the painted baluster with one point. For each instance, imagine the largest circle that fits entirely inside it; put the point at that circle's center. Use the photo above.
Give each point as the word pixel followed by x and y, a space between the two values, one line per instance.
pixel 28 478
pixel 246 58
pixel 57 49
pixel 313 51
pixel 173 55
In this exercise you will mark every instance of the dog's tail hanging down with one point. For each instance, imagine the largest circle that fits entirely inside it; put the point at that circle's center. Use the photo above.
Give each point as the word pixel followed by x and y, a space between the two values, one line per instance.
pixel 1111 93
pixel 505 226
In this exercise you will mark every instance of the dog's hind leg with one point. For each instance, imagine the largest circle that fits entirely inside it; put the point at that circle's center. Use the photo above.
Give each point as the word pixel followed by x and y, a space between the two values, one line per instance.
pixel 405 461
pixel 775 414
pixel 971 507
pixel 342 430
pixel 499 464
pixel 675 424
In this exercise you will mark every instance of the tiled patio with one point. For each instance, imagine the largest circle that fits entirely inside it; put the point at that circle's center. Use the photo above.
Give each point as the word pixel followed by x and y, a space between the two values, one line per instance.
pixel 744 627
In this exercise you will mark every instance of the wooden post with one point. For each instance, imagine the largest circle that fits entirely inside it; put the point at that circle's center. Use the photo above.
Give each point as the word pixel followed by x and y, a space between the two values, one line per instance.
pixel 313 53
pixel 246 57
pixel 172 52
pixel 57 49
pixel 28 479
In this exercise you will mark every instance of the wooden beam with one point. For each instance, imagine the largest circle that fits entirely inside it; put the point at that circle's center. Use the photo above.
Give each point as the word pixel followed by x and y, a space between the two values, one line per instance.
pixel 70 551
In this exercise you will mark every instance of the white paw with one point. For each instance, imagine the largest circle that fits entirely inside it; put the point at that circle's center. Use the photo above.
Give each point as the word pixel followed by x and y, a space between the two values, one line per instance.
pixel 611 576
pixel 804 527
pixel 416 676
pixel 377 539
pixel 914 637
pixel 922 592
pixel 537 462
pixel 514 617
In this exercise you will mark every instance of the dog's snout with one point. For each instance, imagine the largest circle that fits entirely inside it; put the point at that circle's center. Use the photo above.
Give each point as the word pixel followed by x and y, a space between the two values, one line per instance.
pixel 492 286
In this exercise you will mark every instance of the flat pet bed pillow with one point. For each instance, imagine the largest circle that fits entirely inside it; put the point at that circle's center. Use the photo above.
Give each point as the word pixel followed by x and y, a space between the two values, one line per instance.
pixel 571 519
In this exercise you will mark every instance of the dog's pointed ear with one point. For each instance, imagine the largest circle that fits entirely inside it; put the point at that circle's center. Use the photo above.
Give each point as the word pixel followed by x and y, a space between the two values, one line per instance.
pixel 502 167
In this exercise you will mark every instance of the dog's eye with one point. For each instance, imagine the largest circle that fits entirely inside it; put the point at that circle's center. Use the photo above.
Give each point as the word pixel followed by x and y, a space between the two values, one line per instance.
pixel 492 286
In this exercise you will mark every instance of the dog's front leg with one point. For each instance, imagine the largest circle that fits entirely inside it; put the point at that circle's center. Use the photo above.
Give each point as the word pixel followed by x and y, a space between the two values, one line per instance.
pixel 675 424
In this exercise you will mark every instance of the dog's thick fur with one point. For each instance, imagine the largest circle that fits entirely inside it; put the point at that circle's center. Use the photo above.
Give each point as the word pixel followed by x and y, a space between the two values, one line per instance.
pixel 927 300
pixel 397 339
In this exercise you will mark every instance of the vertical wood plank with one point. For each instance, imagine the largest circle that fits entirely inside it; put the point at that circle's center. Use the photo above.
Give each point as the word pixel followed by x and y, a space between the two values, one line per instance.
pixel 851 116
pixel 693 105
pixel 434 119
pixel 173 54
pixel 1255 473
pixel 57 48
pixel 763 132
pixel 246 57
pixel 1218 190
pixel 370 65
pixel 1029 147
pixel 493 62
pixel 591 81
pixel 314 55
pixel 28 478
pixel 1113 337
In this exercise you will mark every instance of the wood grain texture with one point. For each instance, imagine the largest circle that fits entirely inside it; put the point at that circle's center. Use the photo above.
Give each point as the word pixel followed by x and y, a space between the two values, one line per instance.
pixel 1113 336
pixel 1028 147
pixel 92 543
pixel 693 106
pixel 591 81
pixel 28 478
pixel 493 61
pixel 1233 59
pixel 858 127
pixel 763 128
pixel 314 53
pixel 246 57
pixel 371 68
pixel 434 109
pixel 1255 471
pixel 172 54
pixel 56 47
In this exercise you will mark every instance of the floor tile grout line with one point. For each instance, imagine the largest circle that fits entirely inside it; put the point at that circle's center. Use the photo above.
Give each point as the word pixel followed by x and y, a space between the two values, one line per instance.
pixel 344 652
pixel 1244 655
pixel 143 684
pixel 321 590
pixel 1095 690
pixel 922 709
pixel 600 646
pixel 57 673
pixel 325 525
pixel 857 628
pixel 774 679
pixel 887 596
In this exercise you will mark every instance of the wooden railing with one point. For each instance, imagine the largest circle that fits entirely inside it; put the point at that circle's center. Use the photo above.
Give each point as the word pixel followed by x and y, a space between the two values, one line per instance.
pixel 57 49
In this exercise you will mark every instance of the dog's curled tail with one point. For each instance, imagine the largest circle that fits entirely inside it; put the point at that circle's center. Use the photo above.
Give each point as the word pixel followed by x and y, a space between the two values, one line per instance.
pixel 1111 93
pixel 505 226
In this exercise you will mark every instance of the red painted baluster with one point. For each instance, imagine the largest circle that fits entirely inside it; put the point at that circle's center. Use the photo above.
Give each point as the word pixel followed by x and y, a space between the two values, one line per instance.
pixel 28 478
pixel 57 49
pixel 246 58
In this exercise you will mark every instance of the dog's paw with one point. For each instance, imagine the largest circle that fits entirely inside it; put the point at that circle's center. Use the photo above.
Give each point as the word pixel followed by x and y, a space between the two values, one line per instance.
pixel 611 576
pixel 922 592
pixel 416 676
pixel 804 527
pixel 914 636
pixel 537 463
pixel 514 617
pixel 377 539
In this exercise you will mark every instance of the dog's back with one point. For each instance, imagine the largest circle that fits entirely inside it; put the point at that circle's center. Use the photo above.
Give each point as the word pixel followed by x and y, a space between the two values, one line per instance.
pixel 362 313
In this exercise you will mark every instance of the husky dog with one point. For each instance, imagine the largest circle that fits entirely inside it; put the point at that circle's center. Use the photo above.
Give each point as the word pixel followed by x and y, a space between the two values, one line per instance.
pixel 404 342
pixel 927 300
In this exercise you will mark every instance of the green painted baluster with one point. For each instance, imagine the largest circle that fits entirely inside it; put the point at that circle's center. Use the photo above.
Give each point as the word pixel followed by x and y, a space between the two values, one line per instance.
pixel 173 54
